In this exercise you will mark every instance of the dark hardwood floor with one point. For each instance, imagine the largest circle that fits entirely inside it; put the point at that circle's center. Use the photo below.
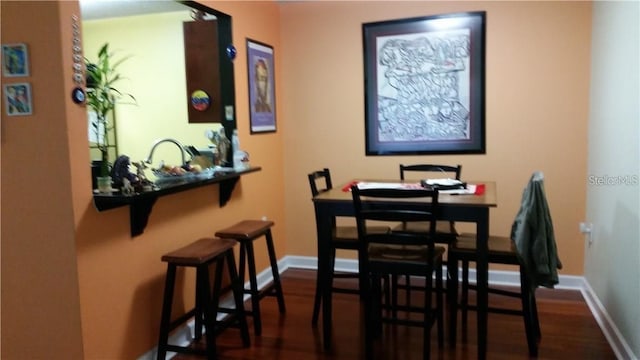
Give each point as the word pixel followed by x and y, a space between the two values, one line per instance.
pixel 568 330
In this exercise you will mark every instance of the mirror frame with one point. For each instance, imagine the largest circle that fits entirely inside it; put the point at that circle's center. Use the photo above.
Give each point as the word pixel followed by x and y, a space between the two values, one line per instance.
pixel 227 77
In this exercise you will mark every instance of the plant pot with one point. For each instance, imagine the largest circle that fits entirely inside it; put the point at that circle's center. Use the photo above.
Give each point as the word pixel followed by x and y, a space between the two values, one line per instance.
pixel 96 171
pixel 104 184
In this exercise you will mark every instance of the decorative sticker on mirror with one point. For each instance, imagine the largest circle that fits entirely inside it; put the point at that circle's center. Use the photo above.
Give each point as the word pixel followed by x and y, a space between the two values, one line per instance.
pixel 200 100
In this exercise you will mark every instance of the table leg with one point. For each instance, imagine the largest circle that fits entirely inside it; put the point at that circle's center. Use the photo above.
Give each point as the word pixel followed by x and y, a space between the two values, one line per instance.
pixel 323 227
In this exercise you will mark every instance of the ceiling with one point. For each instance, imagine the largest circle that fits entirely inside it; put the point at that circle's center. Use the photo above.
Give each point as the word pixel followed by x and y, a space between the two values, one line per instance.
pixel 102 9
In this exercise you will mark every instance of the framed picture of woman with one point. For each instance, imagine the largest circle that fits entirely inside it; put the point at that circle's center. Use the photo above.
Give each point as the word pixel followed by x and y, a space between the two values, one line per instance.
pixel 261 87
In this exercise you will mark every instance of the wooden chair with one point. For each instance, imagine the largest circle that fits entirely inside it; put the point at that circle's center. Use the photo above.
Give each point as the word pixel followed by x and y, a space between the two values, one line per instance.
pixel 344 238
pixel 532 222
pixel 445 230
pixel 398 253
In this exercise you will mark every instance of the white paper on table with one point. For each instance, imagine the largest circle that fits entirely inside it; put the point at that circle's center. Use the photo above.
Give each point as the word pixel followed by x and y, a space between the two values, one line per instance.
pixel 382 185
pixel 471 189
pixel 443 182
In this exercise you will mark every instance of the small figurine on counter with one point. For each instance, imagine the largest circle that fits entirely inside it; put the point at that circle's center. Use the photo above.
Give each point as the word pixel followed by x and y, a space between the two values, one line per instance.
pixel 120 171
pixel 143 183
pixel 223 147
pixel 127 189
pixel 140 166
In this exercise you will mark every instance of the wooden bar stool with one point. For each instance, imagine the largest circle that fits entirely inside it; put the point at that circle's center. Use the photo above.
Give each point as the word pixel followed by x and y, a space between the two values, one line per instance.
pixel 246 232
pixel 200 255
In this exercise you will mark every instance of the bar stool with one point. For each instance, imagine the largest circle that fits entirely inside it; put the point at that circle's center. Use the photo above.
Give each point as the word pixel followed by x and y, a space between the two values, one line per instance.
pixel 246 232
pixel 200 255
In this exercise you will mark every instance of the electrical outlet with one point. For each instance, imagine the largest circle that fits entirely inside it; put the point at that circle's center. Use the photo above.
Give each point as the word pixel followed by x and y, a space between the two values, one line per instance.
pixel 264 217
pixel 587 228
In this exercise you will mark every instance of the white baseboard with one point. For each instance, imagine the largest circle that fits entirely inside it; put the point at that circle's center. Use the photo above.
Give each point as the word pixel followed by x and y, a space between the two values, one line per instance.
pixel 620 347
pixel 618 343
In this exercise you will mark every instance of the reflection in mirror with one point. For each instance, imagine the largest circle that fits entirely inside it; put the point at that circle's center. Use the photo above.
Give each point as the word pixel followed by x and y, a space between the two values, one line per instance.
pixel 150 35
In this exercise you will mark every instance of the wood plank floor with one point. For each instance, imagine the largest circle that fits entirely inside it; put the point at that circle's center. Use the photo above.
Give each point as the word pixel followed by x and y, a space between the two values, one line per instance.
pixel 568 330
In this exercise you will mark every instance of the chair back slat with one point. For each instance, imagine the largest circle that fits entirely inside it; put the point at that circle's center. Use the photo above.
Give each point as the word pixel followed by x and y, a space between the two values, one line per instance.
pixel 322 178
pixel 391 205
pixel 444 169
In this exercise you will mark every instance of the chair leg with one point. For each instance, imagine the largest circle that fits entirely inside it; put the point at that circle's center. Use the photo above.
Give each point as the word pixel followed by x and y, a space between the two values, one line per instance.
pixel 367 309
pixel 394 295
pixel 428 316
pixel 439 306
pixel 464 297
pixel 529 315
pixel 536 320
pixel 274 271
pixel 452 298
pixel 407 281
pixel 376 308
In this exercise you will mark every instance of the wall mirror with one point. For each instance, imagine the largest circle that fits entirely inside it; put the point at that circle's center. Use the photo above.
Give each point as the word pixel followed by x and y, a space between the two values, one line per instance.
pixel 152 37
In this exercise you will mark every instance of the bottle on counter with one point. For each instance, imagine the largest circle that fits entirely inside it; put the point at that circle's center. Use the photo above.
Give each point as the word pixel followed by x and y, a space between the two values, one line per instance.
pixel 240 157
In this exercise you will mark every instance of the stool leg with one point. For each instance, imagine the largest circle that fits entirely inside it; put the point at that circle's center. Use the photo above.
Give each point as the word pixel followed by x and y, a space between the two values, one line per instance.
pixel 236 286
pixel 255 295
pixel 242 265
pixel 210 306
pixel 275 272
pixel 199 315
pixel 165 321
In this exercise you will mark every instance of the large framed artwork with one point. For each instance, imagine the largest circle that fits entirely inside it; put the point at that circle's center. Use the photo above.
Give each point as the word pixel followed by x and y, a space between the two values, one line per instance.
pixel 262 102
pixel 425 85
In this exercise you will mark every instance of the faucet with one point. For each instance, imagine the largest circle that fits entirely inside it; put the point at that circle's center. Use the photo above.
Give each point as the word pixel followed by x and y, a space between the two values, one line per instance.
pixel 158 142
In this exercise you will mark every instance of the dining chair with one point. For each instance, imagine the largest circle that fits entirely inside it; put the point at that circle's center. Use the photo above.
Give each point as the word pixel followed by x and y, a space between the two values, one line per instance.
pixel 398 253
pixel 531 247
pixel 344 237
pixel 445 230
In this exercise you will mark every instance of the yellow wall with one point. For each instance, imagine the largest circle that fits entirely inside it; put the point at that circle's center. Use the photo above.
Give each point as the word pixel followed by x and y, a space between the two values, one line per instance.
pixel 537 93
pixel 537 69
pixel 154 72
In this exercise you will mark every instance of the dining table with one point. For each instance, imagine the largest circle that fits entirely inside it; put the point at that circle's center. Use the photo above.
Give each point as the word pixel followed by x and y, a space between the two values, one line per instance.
pixel 469 208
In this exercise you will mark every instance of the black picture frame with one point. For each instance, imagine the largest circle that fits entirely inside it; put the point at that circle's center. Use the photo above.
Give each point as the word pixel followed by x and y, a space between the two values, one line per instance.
pixel 261 74
pixel 425 85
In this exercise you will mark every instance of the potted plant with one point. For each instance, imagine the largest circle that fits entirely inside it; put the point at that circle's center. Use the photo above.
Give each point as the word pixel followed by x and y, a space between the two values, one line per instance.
pixel 102 97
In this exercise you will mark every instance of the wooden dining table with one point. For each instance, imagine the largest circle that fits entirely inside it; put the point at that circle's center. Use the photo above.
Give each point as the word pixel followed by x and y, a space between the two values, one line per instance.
pixel 471 208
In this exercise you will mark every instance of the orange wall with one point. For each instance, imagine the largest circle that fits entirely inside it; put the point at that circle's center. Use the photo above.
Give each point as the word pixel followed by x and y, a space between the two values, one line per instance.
pixel 117 289
pixel 536 95
pixel 39 273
